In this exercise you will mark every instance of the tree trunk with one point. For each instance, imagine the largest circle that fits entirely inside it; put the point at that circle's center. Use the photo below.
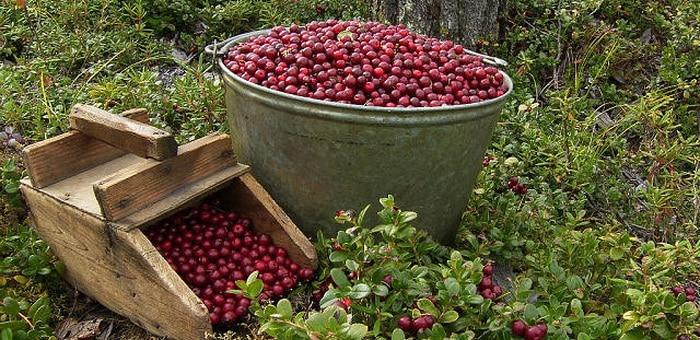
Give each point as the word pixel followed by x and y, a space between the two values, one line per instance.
pixel 464 21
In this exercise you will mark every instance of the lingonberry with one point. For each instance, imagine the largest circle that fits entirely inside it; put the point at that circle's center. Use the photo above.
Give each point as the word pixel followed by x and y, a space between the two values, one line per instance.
pixel 518 327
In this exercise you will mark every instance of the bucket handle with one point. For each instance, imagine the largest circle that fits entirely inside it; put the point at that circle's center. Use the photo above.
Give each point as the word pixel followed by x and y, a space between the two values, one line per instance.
pixel 488 59
pixel 213 48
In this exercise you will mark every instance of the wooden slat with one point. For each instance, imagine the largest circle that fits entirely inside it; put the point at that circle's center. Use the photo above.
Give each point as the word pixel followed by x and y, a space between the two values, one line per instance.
pixel 71 153
pixel 134 137
pixel 248 197
pixel 185 197
pixel 145 183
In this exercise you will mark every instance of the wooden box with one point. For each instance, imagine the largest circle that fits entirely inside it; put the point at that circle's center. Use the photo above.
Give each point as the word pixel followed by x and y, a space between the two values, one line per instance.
pixel 90 191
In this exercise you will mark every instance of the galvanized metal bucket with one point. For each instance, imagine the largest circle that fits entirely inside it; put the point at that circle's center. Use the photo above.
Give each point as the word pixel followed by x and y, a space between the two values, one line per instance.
pixel 317 157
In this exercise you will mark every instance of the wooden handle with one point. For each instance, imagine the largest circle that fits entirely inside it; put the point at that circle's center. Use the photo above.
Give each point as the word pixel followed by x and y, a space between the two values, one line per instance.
pixel 144 183
pixel 123 133
pixel 57 158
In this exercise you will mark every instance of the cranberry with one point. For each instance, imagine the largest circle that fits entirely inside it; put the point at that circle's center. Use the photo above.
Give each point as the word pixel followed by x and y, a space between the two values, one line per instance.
pixel 404 323
pixel 488 269
pixel 518 327
pixel 388 279
pixel 534 333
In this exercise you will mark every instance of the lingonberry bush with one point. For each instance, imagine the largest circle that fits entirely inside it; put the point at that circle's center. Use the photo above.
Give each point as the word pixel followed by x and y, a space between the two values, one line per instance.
pixel 367 63
pixel 392 281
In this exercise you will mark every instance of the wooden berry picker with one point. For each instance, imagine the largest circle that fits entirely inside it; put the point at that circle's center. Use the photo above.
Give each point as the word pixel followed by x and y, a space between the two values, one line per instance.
pixel 160 232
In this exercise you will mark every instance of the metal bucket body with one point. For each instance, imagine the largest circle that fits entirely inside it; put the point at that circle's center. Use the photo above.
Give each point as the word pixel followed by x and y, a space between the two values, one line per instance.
pixel 317 157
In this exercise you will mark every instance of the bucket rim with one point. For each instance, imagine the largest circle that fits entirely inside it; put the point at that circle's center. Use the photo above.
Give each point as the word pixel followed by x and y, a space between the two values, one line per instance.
pixel 374 110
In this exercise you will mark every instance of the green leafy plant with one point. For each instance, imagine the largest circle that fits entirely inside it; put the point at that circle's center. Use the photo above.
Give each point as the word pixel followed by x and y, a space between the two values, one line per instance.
pixel 21 320
pixel 9 181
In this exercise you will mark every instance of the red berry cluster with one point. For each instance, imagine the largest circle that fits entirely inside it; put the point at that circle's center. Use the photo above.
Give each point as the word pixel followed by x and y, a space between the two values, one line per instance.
pixel 211 249
pixel 365 64
pixel 489 289
pixel 536 332
pixel 517 187
pixel 417 324
pixel 689 292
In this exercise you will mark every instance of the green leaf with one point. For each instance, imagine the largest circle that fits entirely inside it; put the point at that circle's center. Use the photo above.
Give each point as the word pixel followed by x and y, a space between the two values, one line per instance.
pixel 449 317
pixel 254 289
pixel 530 313
pixel 661 327
pixel 6 334
pixel 476 299
pixel 574 282
pixel 357 331
pixel 284 308
pixel 616 253
pixel 407 216
pixel 438 332
pixel 452 286
pixel 361 215
pixel 316 322
pixel 633 335
pixel 339 278
pixel 40 310
pixel 11 187
pixel 387 202
pixel 359 291
pixel 11 306
pixel 583 336
pixel 688 310
pixel 338 256
pixel 398 334
pixel 252 277
pixel 428 307
pixel 381 290
pixel 351 265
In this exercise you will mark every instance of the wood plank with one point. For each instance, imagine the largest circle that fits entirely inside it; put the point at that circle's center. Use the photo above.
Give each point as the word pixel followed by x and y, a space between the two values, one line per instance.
pixel 143 184
pixel 54 159
pixel 188 196
pixel 134 137
pixel 122 270
pixel 77 190
pixel 247 196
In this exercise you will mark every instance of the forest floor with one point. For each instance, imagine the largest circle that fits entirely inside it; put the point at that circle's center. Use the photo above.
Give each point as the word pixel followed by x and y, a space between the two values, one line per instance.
pixel 603 128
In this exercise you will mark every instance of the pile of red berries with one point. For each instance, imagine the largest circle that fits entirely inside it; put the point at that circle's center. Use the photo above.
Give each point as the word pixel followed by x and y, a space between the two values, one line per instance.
pixel 211 249
pixel 417 324
pixel 367 63
pixel 487 288
pixel 517 187
pixel 689 292
pixel 535 332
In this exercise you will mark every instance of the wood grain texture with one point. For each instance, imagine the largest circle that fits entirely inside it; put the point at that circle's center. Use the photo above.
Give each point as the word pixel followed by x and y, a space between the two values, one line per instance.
pixel 122 270
pixel 187 196
pixel 54 159
pixel 134 137
pixel 462 21
pixel 248 197
pixel 142 184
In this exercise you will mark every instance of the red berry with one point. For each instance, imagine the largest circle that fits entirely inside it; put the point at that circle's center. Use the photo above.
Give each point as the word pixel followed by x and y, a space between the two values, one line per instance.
pixel 486 283
pixel 518 327
pixel 404 323
pixel 488 269
pixel 534 333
